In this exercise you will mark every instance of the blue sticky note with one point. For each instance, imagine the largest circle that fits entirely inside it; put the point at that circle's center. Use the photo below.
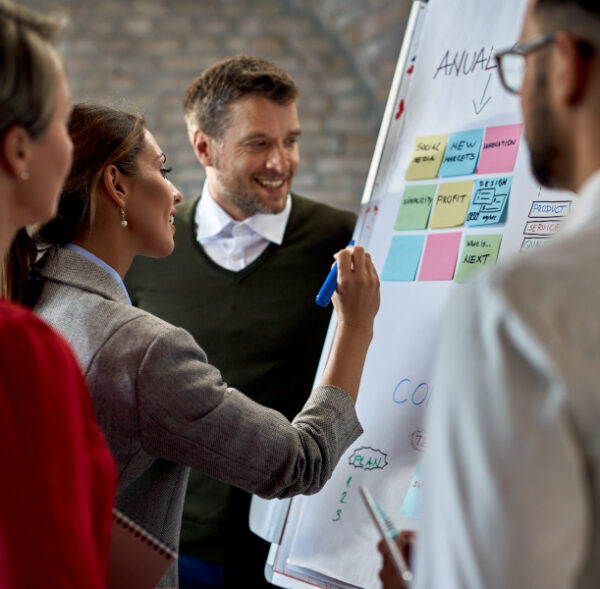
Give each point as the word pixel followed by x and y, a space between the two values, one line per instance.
pixel 403 258
pixel 411 506
pixel 489 203
pixel 462 153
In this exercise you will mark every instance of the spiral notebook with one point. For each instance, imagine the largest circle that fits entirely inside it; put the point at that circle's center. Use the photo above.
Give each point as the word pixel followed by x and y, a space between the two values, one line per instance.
pixel 137 560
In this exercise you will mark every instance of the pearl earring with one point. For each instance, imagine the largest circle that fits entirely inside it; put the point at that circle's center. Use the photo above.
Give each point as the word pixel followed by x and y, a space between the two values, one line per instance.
pixel 24 175
pixel 123 220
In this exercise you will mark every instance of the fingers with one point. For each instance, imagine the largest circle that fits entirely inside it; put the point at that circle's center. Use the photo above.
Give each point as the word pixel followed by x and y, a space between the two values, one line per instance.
pixel 388 574
pixel 344 261
pixel 356 299
pixel 354 258
pixel 405 541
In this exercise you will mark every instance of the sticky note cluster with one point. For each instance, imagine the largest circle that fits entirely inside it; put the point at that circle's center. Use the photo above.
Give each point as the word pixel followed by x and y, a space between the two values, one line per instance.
pixel 407 260
pixel 477 151
pixel 452 204
pixel 452 201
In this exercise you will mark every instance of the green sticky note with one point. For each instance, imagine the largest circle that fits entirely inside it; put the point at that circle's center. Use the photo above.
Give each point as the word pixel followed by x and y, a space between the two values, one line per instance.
pixel 415 207
pixel 478 252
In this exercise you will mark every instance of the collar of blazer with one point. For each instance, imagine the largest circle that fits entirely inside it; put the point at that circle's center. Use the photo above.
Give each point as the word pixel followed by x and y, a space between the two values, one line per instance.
pixel 68 267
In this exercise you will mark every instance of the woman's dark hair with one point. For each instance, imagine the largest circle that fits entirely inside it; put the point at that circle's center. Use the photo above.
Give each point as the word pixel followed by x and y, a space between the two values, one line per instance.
pixel 102 136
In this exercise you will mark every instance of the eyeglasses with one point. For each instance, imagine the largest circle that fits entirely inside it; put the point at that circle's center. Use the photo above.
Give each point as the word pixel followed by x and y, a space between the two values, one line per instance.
pixel 511 63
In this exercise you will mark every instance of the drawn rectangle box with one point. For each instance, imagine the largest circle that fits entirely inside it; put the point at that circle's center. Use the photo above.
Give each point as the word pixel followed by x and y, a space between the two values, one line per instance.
pixel 547 209
pixel 531 243
pixel 542 227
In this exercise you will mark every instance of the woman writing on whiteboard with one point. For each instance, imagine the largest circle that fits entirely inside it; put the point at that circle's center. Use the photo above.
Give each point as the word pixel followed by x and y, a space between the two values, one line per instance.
pixel 162 406
pixel 59 478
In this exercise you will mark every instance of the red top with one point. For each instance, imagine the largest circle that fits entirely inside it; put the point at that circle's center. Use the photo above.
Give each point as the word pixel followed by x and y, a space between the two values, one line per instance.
pixel 58 478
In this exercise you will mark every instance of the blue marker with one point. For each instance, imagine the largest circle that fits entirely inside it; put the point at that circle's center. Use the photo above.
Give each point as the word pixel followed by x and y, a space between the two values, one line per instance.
pixel 328 288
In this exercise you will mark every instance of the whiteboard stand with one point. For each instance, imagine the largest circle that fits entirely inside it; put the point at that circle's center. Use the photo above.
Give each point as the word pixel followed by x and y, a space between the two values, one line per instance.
pixel 268 518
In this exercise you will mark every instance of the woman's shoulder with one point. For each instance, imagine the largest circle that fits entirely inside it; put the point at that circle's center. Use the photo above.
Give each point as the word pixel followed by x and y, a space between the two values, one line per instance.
pixel 139 325
pixel 29 340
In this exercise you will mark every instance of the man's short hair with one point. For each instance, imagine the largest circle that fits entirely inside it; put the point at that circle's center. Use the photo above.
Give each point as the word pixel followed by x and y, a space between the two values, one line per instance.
pixel 578 17
pixel 206 101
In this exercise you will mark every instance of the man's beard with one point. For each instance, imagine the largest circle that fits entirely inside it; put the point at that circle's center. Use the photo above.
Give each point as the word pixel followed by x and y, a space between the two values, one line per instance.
pixel 541 131
pixel 249 202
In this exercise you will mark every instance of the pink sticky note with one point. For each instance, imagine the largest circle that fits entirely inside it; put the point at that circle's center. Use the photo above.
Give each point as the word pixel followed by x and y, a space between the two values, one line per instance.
pixel 439 257
pixel 499 151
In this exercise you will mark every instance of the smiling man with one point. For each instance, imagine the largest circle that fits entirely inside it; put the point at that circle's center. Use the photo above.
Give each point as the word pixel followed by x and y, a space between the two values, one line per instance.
pixel 249 259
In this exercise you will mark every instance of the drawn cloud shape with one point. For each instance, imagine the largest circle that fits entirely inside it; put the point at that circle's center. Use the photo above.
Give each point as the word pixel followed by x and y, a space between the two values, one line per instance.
pixel 368 458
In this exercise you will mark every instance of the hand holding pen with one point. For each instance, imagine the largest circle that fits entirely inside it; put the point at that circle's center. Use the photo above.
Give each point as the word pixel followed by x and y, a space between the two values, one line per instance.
pixel 356 301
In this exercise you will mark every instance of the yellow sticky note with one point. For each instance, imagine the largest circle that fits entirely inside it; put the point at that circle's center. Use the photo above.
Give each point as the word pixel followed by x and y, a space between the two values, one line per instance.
pixel 451 204
pixel 427 157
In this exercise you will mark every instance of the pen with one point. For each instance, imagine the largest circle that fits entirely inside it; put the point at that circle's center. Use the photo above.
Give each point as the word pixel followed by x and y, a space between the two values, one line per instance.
pixel 328 288
pixel 388 531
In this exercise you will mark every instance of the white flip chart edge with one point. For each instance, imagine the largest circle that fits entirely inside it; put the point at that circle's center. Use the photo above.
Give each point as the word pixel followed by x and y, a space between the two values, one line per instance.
pixel 267 518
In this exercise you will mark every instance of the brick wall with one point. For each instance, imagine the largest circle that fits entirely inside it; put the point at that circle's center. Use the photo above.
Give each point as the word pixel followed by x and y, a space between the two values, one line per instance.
pixel 142 55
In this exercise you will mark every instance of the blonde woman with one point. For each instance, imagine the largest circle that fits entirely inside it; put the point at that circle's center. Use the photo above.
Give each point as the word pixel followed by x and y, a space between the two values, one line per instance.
pixel 58 477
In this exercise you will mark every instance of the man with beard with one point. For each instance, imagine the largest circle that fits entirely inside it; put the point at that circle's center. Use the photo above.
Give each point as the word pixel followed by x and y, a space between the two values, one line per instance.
pixel 249 260
pixel 512 494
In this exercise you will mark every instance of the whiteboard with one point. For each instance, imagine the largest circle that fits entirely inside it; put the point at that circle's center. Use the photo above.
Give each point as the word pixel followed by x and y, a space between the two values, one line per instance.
pixel 447 112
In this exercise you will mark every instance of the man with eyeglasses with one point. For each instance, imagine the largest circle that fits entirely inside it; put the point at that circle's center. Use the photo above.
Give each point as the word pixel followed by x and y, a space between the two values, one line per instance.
pixel 512 494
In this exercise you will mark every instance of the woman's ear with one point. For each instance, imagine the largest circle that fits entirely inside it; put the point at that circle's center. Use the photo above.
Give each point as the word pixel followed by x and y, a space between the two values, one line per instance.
pixel 204 147
pixel 15 151
pixel 113 181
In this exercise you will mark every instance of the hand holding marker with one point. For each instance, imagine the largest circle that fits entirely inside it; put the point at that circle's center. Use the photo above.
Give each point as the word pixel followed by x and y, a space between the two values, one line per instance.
pixel 388 533
pixel 328 288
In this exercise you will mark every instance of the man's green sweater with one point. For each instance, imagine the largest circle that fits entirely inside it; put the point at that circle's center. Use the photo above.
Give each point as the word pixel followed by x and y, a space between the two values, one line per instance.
pixel 261 327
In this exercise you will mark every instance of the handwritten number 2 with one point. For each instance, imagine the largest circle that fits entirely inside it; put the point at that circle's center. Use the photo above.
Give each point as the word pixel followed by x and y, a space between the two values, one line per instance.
pixel 343 499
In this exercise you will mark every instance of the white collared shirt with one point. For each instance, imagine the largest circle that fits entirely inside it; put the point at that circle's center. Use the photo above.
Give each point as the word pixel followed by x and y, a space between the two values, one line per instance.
pixel 236 244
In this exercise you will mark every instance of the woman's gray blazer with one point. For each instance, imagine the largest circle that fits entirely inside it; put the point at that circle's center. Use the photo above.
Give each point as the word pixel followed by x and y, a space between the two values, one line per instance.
pixel 163 408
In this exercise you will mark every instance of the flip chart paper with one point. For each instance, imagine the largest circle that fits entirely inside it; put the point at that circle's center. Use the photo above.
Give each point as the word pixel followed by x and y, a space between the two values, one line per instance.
pixel 451 204
pixel 415 208
pixel 462 153
pixel 426 157
pixel 403 258
pixel 439 258
pixel 489 202
pixel 478 252
pixel 500 147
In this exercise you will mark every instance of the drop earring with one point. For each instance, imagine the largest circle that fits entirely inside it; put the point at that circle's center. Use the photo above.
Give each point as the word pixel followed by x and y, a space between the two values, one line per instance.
pixel 123 219
pixel 24 175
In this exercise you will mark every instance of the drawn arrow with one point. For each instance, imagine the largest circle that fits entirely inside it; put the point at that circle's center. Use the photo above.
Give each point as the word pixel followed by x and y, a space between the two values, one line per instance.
pixel 481 102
